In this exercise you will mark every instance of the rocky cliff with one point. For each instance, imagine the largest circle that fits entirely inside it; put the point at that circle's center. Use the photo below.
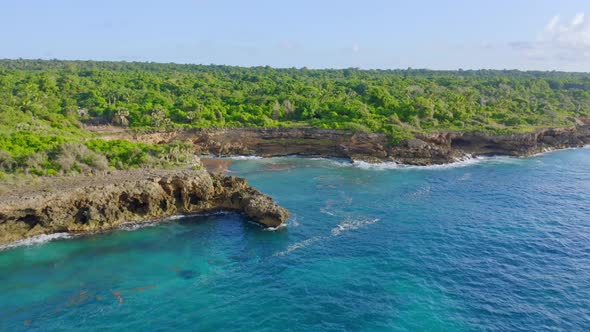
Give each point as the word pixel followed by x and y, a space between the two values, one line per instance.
pixel 91 204
pixel 425 149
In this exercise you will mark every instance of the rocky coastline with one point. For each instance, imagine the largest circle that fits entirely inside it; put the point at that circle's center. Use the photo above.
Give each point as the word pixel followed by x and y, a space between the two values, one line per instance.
pixel 425 149
pixel 89 204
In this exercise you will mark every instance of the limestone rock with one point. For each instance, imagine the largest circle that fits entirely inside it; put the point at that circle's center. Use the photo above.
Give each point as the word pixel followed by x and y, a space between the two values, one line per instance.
pixel 426 149
pixel 91 204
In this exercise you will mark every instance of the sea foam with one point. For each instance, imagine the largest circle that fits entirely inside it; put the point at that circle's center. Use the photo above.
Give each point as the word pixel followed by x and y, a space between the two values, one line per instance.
pixel 242 157
pixel 345 226
pixel 464 162
pixel 36 240
pixel 348 225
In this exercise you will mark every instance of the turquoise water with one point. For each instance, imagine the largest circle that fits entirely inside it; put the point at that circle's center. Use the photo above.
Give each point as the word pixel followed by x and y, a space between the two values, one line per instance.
pixel 498 245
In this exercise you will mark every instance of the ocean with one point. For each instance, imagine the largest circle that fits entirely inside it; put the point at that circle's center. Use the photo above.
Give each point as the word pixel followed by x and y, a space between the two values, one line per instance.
pixel 496 244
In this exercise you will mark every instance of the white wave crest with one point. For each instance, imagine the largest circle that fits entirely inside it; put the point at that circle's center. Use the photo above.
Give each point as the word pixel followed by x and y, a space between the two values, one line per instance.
pixel 325 211
pixel 468 161
pixel 299 245
pixel 273 229
pixel 243 157
pixel 345 226
pixel 36 240
pixel 551 150
pixel 334 161
pixel 291 222
pixel 459 162
pixel 348 225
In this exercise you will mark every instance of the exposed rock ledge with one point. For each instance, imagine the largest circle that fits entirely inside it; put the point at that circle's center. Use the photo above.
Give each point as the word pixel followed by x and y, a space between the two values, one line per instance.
pixel 425 149
pixel 91 204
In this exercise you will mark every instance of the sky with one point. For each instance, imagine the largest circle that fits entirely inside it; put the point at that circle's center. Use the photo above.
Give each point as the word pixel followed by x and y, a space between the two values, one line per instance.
pixel 383 34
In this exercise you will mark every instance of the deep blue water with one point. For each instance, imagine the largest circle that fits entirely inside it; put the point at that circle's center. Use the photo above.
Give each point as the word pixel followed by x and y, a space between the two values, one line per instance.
pixel 498 245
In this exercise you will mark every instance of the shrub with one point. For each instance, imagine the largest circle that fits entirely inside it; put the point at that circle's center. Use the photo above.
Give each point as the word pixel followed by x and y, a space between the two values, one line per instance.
pixel 78 157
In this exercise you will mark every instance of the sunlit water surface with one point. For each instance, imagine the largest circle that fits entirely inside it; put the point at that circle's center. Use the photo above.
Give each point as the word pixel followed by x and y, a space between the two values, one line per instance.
pixel 497 245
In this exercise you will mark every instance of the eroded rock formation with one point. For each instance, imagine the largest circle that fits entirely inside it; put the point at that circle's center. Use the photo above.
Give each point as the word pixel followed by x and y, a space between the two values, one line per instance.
pixel 425 149
pixel 91 204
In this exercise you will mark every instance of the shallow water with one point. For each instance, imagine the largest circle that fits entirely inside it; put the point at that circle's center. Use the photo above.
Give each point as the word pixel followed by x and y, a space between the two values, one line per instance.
pixel 500 244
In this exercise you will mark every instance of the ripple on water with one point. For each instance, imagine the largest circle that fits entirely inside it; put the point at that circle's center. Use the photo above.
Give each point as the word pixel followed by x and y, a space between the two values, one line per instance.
pixel 499 244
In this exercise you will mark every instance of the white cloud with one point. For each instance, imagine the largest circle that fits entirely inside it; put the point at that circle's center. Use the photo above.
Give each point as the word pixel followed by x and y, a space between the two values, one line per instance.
pixel 578 19
pixel 356 47
pixel 575 35
pixel 560 40
pixel 552 23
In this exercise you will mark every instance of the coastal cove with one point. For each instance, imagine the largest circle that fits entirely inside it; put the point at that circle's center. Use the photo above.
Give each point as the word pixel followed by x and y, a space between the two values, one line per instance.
pixel 317 166
pixel 499 242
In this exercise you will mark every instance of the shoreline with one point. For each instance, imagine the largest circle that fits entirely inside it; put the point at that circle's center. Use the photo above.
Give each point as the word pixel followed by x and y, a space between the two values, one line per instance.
pixel 90 204
pixel 437 148
pixel 226 161
pixel 125 226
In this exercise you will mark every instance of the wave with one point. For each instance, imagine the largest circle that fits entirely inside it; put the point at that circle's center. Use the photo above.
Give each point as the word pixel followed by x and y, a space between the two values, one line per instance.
pixel 551 150
pixel 348 225
pixel 36 240
pixel 291 222
pixel 242 157
pixel 465 162
pixel 343 227
pixel 326 211
pixel 273 229
pixel 389 165
pixel 299 245
pixel 335 161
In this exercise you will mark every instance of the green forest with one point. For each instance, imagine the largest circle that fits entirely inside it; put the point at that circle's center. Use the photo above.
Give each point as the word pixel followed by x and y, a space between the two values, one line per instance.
pixel 44 105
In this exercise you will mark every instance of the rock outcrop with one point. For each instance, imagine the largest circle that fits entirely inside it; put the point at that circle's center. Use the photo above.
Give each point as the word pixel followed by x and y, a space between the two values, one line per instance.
pixel 92 204
pixel 425 149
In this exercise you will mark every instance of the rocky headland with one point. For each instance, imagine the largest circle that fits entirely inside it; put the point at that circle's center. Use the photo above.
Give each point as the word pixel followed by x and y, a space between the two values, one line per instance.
pixel 425 149
pixel 87 204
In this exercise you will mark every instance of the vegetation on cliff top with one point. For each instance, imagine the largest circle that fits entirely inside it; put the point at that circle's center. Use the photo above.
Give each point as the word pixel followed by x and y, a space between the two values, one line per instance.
pixel 43 103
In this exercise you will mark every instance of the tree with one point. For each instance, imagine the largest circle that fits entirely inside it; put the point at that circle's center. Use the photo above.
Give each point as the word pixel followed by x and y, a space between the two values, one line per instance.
pixel 276 110
pixel 120 117
pixel 159 117
pixel 289 107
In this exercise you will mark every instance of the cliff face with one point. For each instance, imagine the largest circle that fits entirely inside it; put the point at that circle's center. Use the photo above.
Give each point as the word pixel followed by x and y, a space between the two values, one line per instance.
pixel 440 148
pixel 91 204
pixel 425 149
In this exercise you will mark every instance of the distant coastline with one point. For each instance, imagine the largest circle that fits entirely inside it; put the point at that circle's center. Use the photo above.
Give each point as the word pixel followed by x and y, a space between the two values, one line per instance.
pixel 435 148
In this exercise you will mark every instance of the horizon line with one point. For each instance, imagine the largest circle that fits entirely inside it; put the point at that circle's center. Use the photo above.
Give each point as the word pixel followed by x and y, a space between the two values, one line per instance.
pixel 297 68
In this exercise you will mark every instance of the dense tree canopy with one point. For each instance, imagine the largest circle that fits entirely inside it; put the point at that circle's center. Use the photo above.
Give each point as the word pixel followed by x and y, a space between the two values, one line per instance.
pixel 54 97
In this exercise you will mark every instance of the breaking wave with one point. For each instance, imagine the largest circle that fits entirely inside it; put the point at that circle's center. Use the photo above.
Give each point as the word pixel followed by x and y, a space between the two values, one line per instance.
pixel 345 226
pixel 243 157
pixel 299 245
pixel 36 240
pixel 465 162
pixel 348 225
pixel 390 165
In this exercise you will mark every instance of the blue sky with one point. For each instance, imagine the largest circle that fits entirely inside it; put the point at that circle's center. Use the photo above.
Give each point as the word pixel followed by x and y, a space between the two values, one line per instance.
pixel 444 34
